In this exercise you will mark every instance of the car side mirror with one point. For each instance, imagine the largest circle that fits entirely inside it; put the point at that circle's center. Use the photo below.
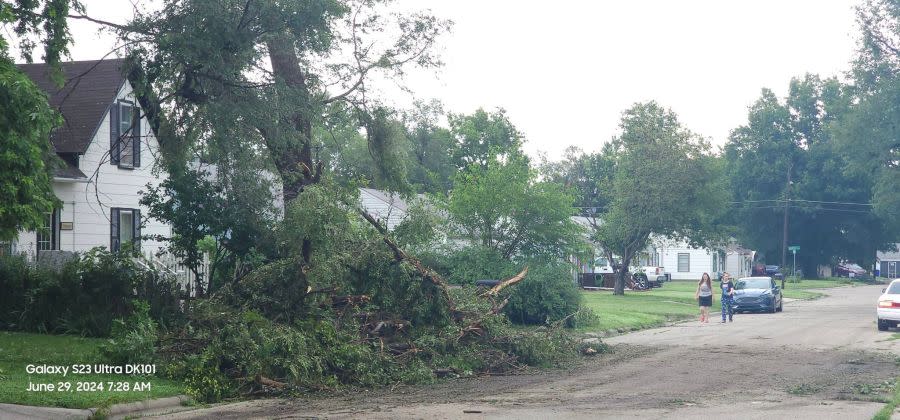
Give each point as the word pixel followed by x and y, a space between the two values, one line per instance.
pixel 883 290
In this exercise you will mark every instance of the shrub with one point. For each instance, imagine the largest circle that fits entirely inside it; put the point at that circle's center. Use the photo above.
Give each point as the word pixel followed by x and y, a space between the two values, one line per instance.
pixel 468 265
pixel 83 296
pixel 548 294
pixel 133 339
pixel 14 282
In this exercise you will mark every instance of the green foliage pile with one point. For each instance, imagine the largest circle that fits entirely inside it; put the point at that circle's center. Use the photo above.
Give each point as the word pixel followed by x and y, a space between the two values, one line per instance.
pixel 355 315
pixel 84 296
pixel 133 339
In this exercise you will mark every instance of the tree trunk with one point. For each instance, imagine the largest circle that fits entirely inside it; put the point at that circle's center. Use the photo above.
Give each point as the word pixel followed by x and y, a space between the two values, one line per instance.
pixel 622 273
pixel 292 152
pixel 620 282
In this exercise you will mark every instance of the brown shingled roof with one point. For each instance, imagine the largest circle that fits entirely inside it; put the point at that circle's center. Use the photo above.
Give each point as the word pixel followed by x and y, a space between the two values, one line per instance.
pixel 90 87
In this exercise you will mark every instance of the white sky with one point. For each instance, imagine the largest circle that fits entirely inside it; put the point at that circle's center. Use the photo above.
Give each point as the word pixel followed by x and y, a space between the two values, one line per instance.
pixel 565 70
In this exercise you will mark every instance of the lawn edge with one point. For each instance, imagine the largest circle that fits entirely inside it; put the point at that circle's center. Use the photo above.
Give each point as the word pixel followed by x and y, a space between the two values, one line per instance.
pixel 118 410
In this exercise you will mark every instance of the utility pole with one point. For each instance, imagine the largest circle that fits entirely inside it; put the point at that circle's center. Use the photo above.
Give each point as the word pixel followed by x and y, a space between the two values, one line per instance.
pixel 784 232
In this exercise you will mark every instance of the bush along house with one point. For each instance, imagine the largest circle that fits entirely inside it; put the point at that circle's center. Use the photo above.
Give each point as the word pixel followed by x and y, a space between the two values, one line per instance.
pixel 109 152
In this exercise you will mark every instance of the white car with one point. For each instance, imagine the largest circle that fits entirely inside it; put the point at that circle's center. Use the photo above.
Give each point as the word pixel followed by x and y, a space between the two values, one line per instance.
pixel 888 311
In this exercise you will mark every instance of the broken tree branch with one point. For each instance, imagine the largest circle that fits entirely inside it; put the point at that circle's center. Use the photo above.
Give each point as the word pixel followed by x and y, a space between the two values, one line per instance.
pixel 402 256
pixel 506 283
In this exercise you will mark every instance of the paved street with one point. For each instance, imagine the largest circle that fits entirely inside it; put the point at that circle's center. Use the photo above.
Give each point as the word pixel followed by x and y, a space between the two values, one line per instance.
pixel 817 360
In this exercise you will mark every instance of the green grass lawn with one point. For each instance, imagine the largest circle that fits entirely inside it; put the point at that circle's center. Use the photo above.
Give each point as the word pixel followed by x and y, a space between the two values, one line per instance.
pixel 672 302
pixel 17 350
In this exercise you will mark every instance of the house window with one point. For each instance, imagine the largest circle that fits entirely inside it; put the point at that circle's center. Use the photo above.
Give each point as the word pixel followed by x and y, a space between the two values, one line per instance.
pixel 125 139
pixel 125 228
pixel 684 263
pixel 6 248
pixel 890 269
pixel 48 233
pixel 126 152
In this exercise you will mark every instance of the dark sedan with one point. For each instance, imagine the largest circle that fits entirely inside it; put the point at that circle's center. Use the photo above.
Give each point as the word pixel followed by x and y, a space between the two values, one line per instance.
pixel 758 294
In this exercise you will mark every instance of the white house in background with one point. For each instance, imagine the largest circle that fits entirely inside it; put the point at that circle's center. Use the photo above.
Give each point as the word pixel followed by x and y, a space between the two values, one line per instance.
pixel 739 260
pixel 685 262
pixel 109 152
pixel 888 263
pixel 387 207
pixel 679 259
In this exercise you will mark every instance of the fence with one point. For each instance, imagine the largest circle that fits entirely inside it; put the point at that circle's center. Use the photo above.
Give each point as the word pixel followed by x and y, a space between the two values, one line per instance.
pixel 173 266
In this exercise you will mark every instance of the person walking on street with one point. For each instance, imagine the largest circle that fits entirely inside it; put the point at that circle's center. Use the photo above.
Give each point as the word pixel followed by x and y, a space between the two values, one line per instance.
pixel 727 297
pixel 704 297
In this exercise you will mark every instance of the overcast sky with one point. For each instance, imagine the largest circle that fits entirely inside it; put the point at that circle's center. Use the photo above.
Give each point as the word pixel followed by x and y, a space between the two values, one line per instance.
pixel 565 70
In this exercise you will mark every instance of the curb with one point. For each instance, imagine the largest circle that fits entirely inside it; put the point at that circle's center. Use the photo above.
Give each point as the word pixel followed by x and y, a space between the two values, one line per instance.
pixel 123 409
pixel 15 411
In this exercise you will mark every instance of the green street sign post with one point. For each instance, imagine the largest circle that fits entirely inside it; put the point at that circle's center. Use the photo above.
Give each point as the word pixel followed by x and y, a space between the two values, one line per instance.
pixel 794 249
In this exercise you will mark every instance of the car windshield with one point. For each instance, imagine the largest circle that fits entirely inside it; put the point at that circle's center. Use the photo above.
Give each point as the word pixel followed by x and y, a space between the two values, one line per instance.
pixel 752 284
pixel 894 289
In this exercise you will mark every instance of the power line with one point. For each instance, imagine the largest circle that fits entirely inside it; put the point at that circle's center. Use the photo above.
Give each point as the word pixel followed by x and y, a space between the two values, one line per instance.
pixel 806 208
pixel 802 201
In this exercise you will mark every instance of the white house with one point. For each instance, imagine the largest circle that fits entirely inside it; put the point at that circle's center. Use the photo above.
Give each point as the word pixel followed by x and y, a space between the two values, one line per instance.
pixel 109 152
pixel 389 208
pixel 685 262
pixel 888 263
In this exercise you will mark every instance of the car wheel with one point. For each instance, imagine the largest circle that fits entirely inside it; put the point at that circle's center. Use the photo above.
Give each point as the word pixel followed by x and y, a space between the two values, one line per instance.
pixel 781 305
pixel 882 325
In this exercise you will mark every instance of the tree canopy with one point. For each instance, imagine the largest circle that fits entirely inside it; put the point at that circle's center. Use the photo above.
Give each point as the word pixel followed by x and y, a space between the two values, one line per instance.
pixel 656 177
pixel 26 119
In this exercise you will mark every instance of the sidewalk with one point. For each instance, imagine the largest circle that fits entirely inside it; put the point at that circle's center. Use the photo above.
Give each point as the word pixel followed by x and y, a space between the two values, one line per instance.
pixel 157 406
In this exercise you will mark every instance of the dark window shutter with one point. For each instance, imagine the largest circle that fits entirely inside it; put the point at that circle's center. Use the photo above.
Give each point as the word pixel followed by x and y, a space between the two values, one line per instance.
pixel 136 137
pixel 114 134
pixel 114 229
pixel 137 230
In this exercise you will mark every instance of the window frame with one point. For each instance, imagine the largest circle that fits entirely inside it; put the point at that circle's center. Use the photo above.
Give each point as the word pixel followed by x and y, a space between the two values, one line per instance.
pixel 52 230
pixel 678 262
pixel 131 145
pixel 115 244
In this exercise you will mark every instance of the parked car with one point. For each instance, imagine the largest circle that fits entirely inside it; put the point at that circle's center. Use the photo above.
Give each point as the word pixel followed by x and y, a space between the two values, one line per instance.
pixel 650 281
pixel 654 272
pixel 771 270
pixel 887 312
pixel 757 294
pixel 849 270
pixel 602 266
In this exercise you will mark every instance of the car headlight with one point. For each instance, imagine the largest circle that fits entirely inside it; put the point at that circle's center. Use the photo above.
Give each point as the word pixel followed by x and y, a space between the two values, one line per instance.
pixel 766 293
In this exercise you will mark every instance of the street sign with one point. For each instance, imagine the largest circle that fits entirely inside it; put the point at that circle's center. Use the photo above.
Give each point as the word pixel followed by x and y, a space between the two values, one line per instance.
pixel 794 248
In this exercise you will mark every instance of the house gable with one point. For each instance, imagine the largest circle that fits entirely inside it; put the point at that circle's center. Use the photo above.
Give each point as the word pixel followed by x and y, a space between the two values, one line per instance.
pixel 89 88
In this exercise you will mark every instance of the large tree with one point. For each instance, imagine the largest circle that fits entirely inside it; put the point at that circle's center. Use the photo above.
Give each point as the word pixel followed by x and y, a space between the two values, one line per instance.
pixel 654 178
pixel 786 160
pixel 504 207
pixel 271 76
pixel 869 135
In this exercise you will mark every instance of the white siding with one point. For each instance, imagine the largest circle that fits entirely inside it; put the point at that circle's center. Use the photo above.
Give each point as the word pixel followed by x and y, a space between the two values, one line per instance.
pixel 738 265
pixel 87 204
pixel 700 261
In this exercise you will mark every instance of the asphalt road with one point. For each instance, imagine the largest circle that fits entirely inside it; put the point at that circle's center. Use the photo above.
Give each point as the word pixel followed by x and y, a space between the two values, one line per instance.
pixel 843 320
pixel 818 360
